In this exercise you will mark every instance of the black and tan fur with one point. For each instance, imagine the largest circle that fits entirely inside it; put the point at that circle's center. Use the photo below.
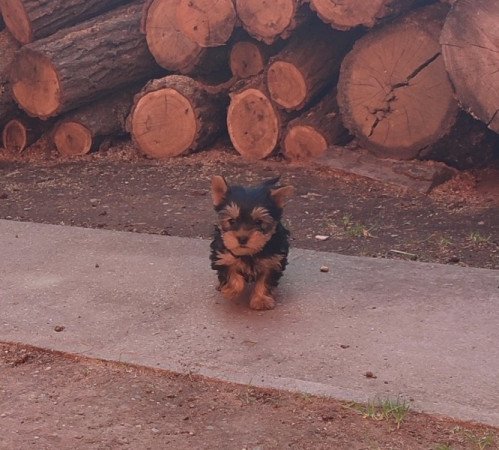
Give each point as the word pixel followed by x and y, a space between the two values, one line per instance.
pixel 250 244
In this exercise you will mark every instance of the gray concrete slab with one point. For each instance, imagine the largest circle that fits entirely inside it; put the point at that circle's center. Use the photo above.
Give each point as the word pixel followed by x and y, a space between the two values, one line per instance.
pixel 428 332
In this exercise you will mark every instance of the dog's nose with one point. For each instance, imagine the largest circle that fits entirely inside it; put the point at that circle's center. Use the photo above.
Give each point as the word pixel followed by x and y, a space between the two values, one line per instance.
pixel 243 240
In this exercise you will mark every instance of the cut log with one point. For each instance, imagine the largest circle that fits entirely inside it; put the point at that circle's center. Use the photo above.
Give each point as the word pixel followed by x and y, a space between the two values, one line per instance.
pixel 470 46
pixel 20 133
pixel 205 22
pixel 29 20
pixel 175 115
pixel 310 135
pixel 79 64
pixel 8 48
pixel 81 130
pixel 266 20
pixel 159 24
pixel 297 74
pixel 348 14
pixel 248 57
pixel 254 122
pixel 171 48
pixel 393 91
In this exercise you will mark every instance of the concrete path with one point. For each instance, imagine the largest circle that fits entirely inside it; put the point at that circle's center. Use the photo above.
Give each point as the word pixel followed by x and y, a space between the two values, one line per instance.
pixel 428 332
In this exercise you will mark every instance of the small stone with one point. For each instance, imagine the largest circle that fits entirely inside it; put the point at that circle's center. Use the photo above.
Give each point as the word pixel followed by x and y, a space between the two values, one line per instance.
pixel 155 430
pixel 324 269
pixel 453 259
pixel 344 346
pixel 321 237
pixel 97 266
pixel 59 328
pixel 369 374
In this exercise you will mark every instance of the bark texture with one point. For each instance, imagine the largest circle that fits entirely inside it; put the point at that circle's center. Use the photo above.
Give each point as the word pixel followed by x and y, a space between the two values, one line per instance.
pixel 80 64
pixel 29 20
pixel 81 130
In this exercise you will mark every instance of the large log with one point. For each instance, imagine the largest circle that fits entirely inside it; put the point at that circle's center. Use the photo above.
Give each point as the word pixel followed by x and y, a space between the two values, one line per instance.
pixel 470 46
pixel 310 135
pixel 29 20
pixel 175 115
pixel 79 64
pixel 8 48
pixel 296 74
pixel 171 48
pixel 393 91
pixel 348 14
pixel 254 122
pixel 266 20
pixel 205 22
pixel 20 133
pixel 81 130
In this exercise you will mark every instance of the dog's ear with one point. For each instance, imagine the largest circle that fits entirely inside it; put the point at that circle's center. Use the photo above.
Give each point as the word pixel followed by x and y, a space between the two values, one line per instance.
pixel 219 190
pixel 282 195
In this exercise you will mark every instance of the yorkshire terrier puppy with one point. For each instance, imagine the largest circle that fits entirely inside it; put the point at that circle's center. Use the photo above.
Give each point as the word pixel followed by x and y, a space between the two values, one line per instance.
pixel 250 244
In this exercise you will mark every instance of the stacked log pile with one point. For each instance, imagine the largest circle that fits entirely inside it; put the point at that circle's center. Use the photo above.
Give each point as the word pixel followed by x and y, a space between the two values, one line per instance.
pixel 291 76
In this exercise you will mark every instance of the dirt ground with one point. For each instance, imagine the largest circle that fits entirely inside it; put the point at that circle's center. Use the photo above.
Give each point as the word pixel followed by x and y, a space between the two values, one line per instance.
pixel 116 189
pixel 53 401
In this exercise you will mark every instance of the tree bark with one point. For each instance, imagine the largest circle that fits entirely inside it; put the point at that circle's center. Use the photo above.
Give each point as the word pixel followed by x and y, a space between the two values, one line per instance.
pixel 254 122
pixel 8 48
pixel 349 14
pixel 311 134
pixel 205 22
pixel 80 64
pixel 267 20
pixel 29 20
pixel 81 130
pixel 393 91
pixel 20 133
pixel 307 65
pixel 470 46
pixel 176 115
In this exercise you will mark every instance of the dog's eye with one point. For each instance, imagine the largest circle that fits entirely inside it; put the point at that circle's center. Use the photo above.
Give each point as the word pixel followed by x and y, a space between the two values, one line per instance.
pixel 231 221
pixel 260 224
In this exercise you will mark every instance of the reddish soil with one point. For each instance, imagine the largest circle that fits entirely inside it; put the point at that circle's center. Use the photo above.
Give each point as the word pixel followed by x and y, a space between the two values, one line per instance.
pixel 50 401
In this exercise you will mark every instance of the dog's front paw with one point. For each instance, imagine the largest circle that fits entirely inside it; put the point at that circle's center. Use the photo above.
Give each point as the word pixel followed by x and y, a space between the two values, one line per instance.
pixel 233 287
pixel 262 302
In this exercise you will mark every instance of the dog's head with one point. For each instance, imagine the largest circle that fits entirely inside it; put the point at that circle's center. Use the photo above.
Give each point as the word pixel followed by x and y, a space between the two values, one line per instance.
pixel 248 217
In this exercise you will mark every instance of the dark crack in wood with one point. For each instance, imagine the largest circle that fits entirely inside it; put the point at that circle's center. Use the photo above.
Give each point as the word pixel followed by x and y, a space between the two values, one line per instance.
pixel 390 97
